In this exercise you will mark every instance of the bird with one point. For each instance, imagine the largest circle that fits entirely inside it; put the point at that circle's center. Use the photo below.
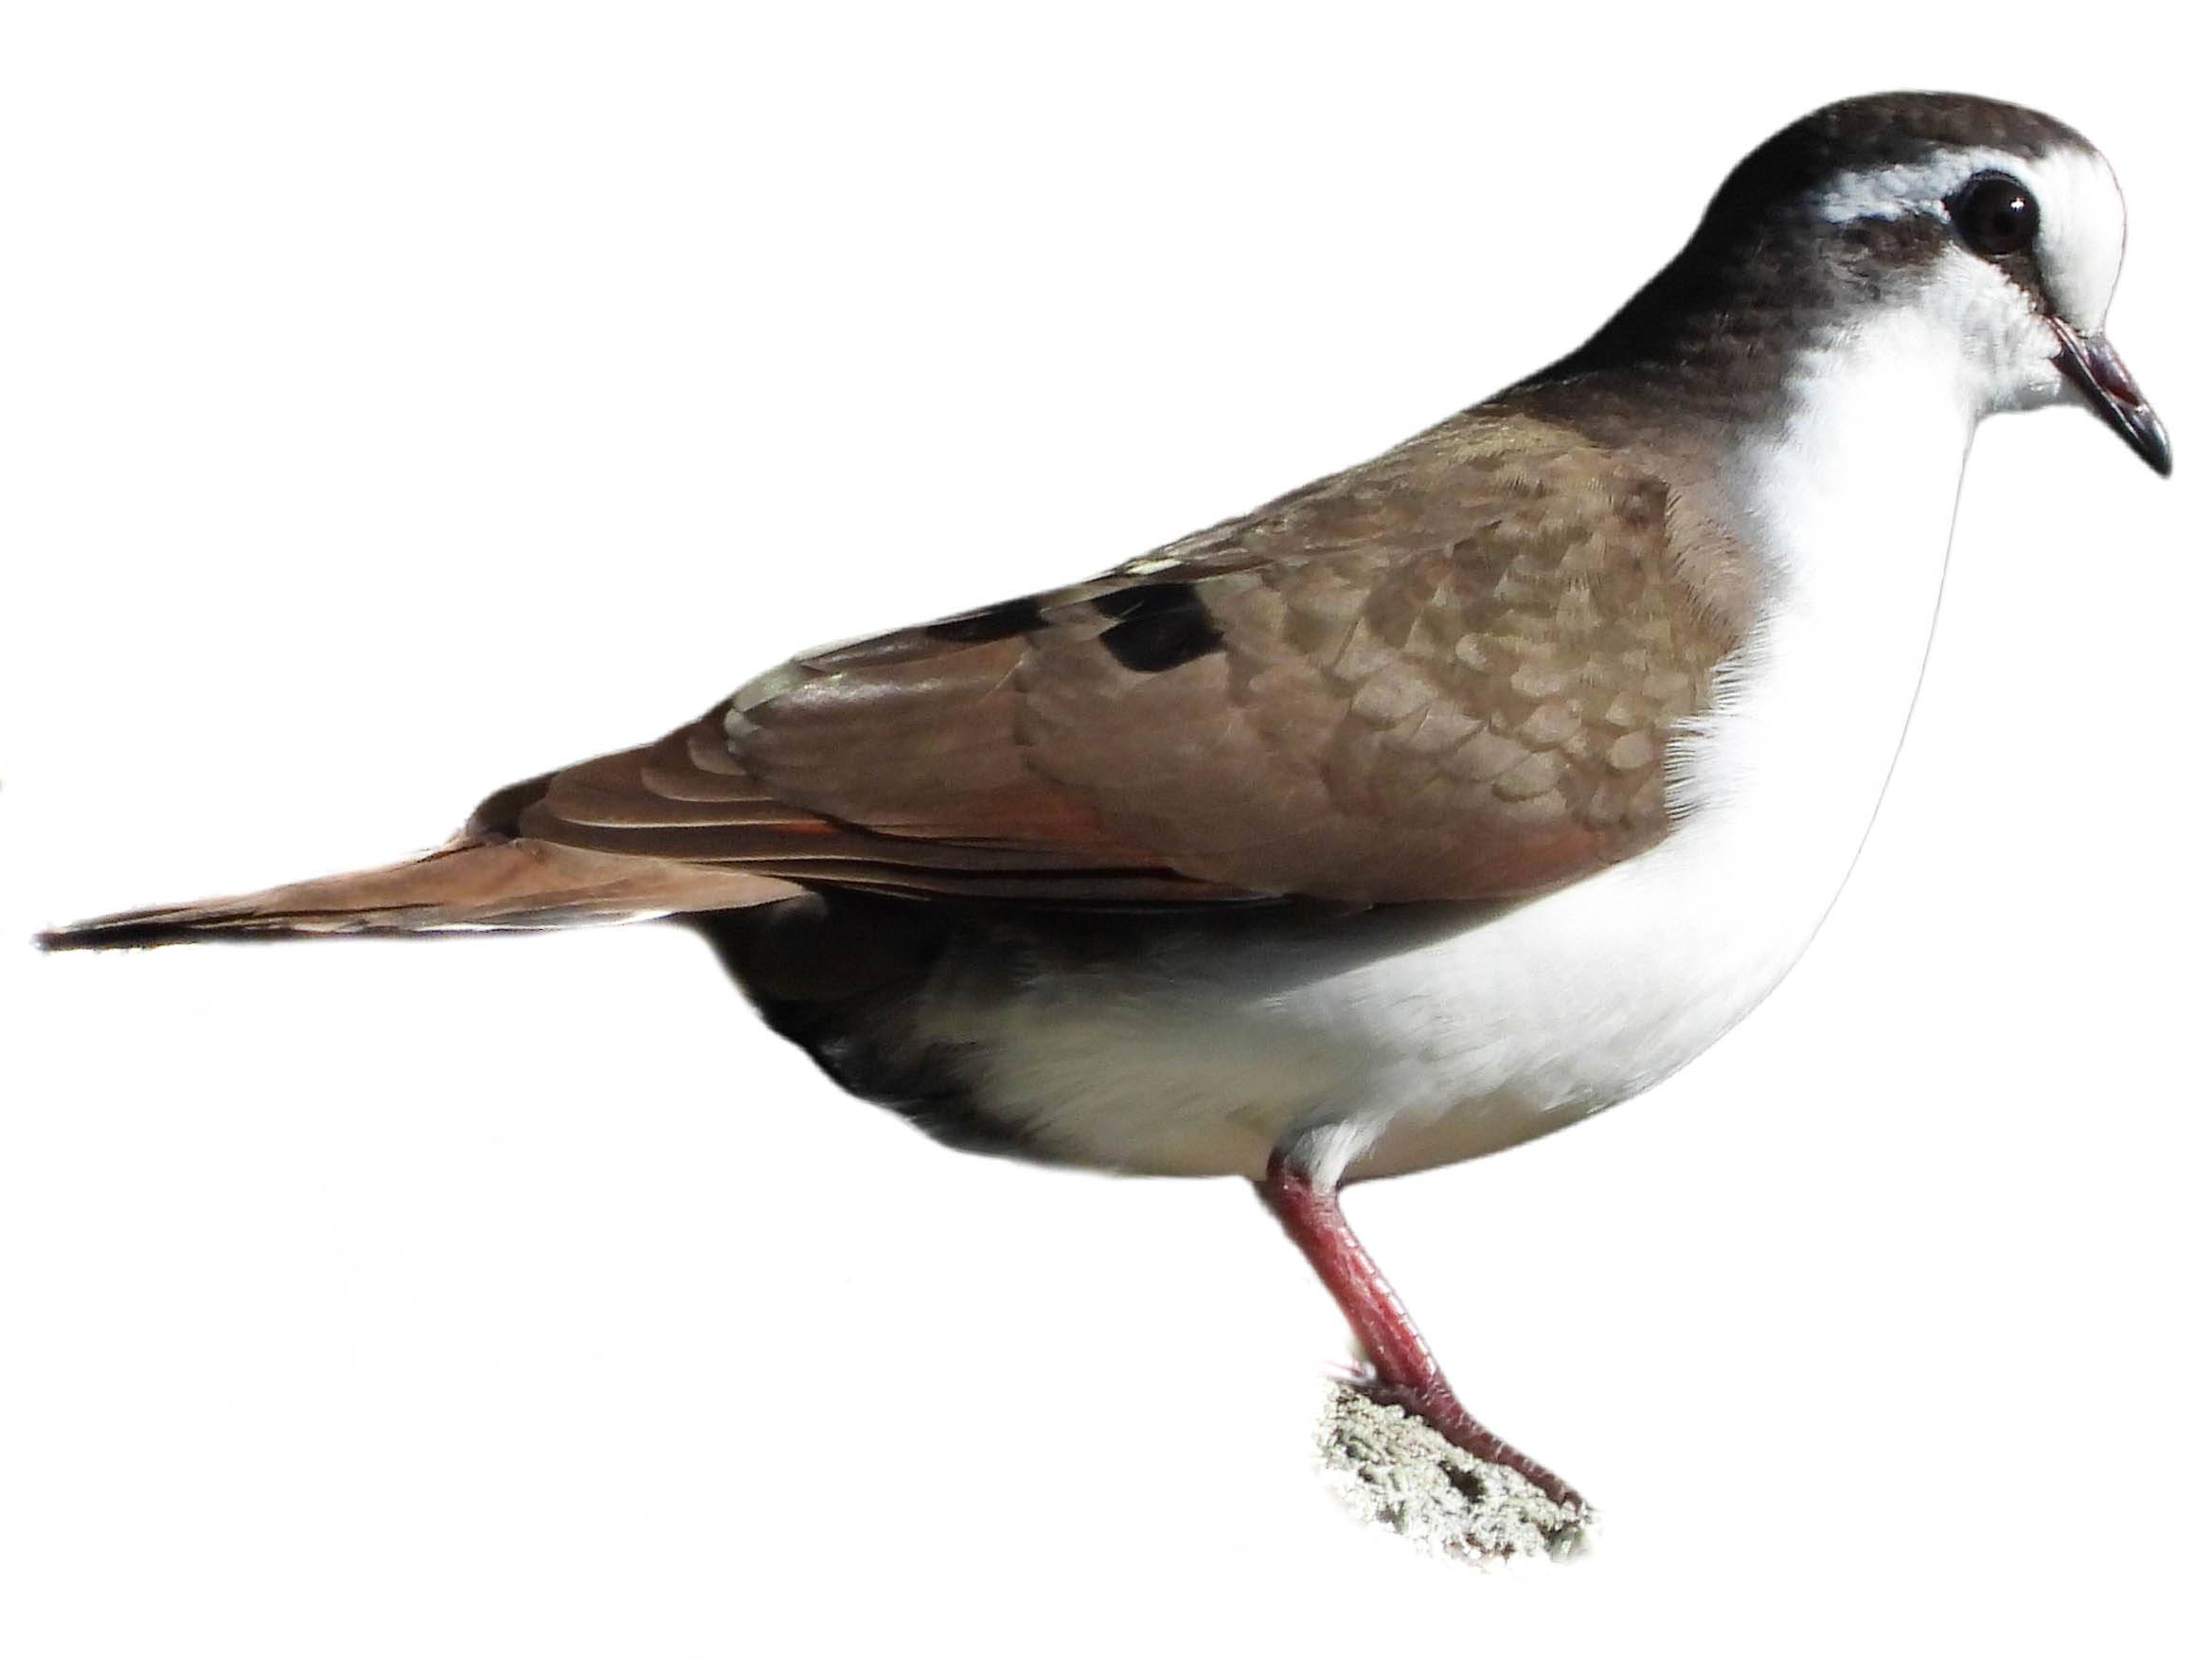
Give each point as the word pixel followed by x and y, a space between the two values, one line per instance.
pixel 1425 810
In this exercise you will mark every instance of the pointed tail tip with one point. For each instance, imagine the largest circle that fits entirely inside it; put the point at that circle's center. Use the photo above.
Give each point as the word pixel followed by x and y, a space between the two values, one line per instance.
pixel 133 930
pixel 465 885
pixel 51 939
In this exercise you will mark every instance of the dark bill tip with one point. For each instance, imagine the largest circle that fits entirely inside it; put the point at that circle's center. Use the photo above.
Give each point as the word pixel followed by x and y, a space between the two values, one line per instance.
pixel 2092 365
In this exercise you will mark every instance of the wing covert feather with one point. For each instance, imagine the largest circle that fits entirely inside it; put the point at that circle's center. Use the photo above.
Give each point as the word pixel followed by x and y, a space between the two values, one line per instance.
pixel 1450 673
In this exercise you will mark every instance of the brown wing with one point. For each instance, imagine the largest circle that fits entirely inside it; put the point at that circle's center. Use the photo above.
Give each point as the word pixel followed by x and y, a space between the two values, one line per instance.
pixel 1450 673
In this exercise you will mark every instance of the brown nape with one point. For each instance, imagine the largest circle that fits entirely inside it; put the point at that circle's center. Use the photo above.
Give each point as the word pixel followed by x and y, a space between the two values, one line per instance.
pixel 1711 336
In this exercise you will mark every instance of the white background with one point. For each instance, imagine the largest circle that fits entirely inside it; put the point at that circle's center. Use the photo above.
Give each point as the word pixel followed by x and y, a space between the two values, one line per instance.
pixel 403 399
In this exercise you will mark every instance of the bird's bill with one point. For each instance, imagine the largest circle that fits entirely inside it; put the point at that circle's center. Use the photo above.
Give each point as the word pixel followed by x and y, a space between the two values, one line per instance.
pixel 2091 363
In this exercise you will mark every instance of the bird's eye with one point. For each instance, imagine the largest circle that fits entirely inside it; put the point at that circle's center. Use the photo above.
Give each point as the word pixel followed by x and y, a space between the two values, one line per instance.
pixel 1995 213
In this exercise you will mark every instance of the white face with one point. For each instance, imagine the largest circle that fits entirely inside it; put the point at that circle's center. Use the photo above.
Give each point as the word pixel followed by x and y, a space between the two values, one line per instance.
pixel 2005 343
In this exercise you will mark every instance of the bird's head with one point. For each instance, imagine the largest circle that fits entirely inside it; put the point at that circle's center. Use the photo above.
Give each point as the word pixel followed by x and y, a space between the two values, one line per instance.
pixel 1996 229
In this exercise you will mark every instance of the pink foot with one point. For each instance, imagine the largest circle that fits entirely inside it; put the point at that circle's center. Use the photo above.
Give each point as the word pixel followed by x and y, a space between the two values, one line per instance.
pixel 1405 1373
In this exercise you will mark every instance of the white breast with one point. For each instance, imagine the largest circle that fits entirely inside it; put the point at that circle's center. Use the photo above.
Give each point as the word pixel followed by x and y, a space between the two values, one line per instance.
pixel 1471 1038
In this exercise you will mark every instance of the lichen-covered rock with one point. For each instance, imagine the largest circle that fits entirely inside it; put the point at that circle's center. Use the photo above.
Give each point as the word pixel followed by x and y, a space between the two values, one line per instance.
pixel 1395 1471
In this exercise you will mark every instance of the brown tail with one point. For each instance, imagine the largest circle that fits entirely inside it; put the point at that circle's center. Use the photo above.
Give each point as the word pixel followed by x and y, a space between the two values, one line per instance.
pixel 474 883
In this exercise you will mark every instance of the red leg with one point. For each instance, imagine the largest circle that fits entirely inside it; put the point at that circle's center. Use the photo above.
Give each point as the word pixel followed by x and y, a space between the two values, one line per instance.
pixel 1406 1373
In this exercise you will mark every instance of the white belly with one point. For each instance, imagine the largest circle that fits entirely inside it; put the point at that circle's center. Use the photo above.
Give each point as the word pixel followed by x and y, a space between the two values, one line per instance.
pixel 1416 1038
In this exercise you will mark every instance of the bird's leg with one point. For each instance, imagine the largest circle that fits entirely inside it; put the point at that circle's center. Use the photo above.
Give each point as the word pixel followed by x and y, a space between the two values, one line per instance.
pixel 1406 1373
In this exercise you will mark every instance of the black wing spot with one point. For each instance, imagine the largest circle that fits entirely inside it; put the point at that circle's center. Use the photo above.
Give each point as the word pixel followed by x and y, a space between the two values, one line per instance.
pixel 993 622
pixel 1159 626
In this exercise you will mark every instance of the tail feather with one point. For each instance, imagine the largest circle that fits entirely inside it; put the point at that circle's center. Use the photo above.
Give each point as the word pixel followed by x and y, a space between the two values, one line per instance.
pixel 473 883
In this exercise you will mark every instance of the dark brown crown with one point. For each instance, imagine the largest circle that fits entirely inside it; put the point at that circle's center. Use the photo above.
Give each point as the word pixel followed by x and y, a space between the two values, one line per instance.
pixel 1763 266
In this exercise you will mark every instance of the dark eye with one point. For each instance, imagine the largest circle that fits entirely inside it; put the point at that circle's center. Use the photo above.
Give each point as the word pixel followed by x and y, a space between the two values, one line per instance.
pixel 1995 213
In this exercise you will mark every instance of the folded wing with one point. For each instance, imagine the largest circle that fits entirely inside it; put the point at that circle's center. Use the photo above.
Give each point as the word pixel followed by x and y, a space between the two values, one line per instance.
pixel 1450 673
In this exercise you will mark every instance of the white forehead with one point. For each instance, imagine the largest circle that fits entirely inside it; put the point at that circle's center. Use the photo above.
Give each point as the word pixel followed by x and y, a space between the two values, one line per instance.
pixel 2084 226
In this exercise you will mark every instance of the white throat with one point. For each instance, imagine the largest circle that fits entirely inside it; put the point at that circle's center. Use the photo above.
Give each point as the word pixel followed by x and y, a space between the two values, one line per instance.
pixel 1848 502
pixel 1593 993
pixel 1441 1046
